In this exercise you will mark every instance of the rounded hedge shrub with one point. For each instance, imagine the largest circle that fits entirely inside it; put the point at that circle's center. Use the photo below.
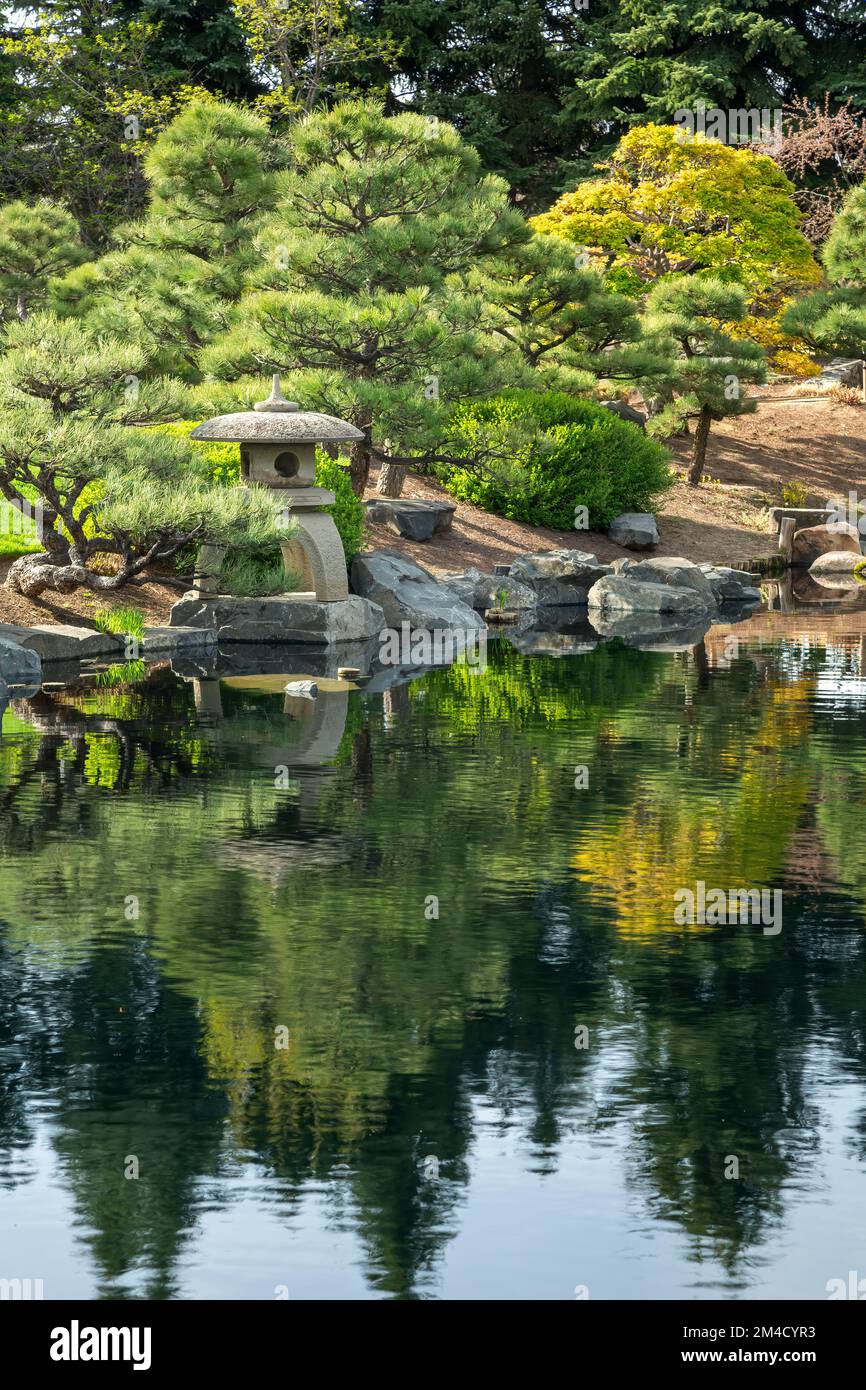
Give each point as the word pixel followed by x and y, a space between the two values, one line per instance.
pixel 224 461
pixel 559 453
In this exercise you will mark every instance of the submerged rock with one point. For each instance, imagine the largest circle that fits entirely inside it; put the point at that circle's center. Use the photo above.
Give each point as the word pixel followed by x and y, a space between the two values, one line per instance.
pixel 652 632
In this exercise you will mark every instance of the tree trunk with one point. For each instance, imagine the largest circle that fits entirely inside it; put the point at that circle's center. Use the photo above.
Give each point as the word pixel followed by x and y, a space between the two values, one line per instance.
pixel 21 307
pixel 31 575
pixel 359 467
pixel 391 479
pixel 702 434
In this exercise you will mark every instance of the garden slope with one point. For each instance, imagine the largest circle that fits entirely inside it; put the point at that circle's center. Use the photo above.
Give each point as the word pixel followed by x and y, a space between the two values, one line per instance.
pixel 819 445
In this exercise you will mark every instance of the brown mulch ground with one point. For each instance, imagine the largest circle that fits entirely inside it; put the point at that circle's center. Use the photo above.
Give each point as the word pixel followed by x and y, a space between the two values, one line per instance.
pixel 153 599
pixel 819 444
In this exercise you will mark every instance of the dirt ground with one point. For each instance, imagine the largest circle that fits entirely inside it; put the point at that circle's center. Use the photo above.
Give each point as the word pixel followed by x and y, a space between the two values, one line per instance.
pixel 817 443
pixel 153 599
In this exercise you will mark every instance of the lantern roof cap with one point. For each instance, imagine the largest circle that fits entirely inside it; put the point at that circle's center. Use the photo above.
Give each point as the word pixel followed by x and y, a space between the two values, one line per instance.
pixel 276 421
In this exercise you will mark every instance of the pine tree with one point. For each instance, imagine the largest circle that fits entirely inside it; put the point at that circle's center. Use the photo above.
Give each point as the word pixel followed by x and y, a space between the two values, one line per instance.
pixel 644 59
pixel 364 308
pixel 711 368
pixel 71 410
pixel 198 41
pixel 500 71
pixel 211 178
pixel 834 319
pixel 570 330
pixel 37 241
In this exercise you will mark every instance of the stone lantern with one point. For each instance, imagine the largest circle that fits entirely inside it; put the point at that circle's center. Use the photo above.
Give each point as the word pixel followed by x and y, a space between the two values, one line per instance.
pixel 278 450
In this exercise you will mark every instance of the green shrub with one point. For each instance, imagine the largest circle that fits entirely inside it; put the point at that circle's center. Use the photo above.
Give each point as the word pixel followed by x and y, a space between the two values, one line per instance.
pixel 558 453
pixel 348 510
pixel 224 460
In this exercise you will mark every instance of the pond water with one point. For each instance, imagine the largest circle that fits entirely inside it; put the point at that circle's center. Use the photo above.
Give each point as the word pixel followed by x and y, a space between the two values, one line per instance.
pixel 384 996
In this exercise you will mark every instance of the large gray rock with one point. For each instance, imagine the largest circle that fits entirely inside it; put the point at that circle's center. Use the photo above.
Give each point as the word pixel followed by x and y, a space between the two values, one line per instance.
pixel 415 519
pixel 635 530
pixel 176 640
pixel 483 591
pixel 280 619
pixel 730 585
pixel 623 595
pixel 19 665
pixel 801 516
pixel 62 642
pixel 406 593
pixel 813 541
pixel 836 570
pixel 559 578
pixel 839 371
pixel 836 562
pixel 673 570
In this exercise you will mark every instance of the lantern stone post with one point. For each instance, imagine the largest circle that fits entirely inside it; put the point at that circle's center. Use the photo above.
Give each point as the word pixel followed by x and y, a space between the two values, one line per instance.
pixel 278 450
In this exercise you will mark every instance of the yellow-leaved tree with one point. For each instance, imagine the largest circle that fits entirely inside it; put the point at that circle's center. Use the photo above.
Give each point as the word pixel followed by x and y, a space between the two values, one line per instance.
pixel 672 204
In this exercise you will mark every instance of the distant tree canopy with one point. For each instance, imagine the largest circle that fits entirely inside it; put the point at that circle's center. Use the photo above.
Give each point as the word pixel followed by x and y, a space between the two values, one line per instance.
pixel 643 59
pixel 540 88
pixel 198 41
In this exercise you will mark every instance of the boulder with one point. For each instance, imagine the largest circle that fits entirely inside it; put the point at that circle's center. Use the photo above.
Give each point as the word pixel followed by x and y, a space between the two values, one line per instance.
pixel 415 519
pixel 483 591
pixel 839 371
pixel 812 541
pixel 177 639
pixel 801 516
pixel 677 572
pixel 635 530
pixel 730 585
pixel 62 642
pixel 623 595
pixel 835 562
pixel 836 570
pixel 406 593
pixel 280 619
pixel 19 665
pixel 558 577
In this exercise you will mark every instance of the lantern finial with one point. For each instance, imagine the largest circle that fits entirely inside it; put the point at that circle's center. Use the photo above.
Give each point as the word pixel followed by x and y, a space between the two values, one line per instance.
pixel 276 402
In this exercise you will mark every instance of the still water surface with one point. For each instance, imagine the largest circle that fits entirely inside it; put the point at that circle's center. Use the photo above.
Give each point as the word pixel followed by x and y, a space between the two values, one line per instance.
pixel 193 876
